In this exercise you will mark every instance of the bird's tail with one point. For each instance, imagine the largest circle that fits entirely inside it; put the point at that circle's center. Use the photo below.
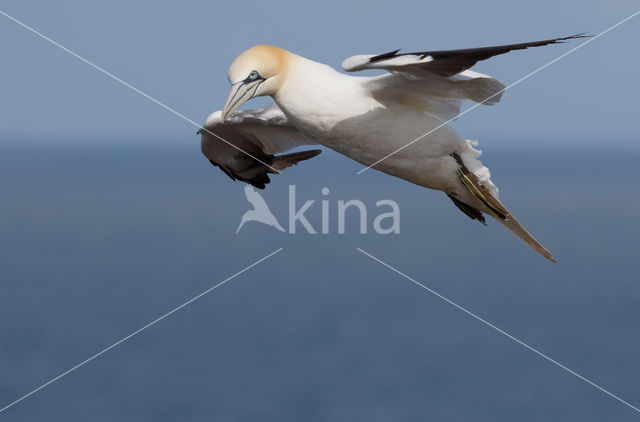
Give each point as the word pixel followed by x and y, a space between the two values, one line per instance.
pixel 492 206
pixel 516 228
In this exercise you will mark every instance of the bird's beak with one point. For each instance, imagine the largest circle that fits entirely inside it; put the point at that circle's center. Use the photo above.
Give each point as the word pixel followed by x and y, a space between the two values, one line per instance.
pixel 241 92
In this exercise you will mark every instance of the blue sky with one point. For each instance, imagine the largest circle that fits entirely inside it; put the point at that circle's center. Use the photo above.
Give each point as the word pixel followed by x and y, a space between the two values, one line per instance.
pixel 180 52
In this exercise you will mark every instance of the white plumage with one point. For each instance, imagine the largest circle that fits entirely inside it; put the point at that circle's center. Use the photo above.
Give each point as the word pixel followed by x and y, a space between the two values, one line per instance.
pixel 364 118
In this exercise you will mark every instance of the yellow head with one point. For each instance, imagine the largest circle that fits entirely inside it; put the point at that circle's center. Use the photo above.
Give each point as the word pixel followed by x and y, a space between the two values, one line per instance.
pixel 257 71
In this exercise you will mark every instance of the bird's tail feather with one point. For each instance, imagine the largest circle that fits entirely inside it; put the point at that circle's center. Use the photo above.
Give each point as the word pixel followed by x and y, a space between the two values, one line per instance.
pixel 492 206
pixel 516 228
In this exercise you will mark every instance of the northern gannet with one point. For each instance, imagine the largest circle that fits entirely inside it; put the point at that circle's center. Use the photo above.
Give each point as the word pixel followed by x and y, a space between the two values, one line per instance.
pixel 365 118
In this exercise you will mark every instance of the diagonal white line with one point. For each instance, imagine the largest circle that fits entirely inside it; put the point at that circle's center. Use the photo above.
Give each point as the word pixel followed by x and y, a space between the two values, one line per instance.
pixel 499 330
pixel 138 331
pixel 503 90
pixel 147 96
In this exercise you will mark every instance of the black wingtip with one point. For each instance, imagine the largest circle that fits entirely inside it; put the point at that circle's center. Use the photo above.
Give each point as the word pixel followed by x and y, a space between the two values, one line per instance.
pixel 581 35
pixel 572 37
pixel 384 56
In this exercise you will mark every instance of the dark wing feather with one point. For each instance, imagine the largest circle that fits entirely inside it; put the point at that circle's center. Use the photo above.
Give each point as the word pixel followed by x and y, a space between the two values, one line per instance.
pixel 256 136
pixel 450 62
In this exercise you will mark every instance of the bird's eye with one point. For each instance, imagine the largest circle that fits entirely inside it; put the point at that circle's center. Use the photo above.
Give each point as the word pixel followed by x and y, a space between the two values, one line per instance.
pixel 253 75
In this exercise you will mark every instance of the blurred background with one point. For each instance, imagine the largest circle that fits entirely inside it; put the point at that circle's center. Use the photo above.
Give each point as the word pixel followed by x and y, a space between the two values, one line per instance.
pixel 110 217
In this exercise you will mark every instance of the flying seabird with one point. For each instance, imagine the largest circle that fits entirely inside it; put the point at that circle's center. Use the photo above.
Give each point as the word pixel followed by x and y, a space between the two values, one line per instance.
pixel 366 118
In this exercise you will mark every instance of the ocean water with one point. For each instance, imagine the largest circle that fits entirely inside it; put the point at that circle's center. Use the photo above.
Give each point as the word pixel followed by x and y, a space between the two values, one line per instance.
pixel 96 242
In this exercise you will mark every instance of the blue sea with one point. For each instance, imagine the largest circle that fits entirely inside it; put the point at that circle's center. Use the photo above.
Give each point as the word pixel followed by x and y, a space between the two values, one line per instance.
pixel 98 241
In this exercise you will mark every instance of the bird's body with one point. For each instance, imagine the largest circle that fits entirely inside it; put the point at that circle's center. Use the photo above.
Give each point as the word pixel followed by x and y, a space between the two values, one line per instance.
pixel 340 112
pixel 373 120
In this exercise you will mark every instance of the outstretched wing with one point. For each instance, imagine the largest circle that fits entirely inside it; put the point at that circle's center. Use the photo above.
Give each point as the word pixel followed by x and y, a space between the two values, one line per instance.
pixel 440 62
pixel 256 136
pixel 437 81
